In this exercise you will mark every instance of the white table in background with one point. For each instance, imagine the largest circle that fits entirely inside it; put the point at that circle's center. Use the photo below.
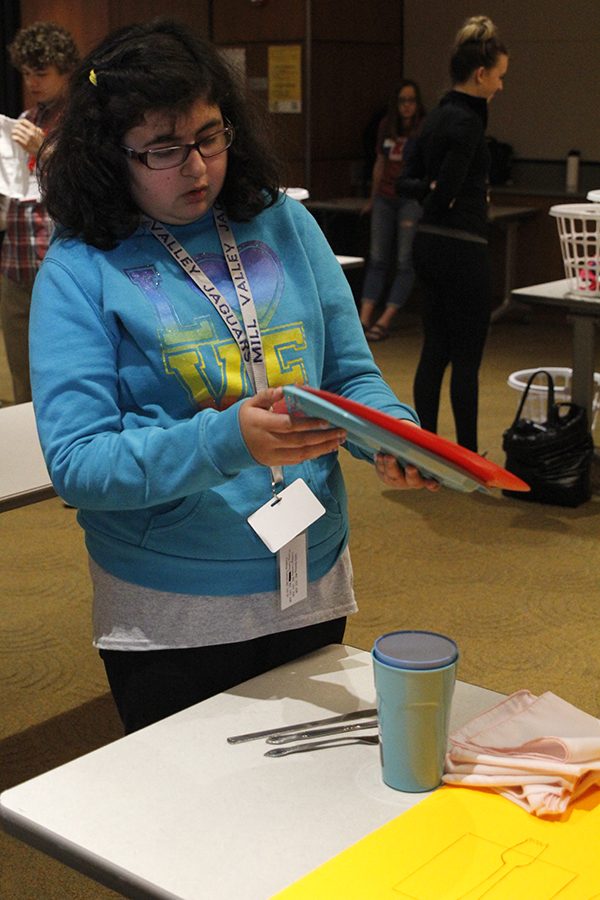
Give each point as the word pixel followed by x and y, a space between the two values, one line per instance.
pixel 174 811
pixel 23 474
pixel 351 262
pixel 584 314
pixel 507 218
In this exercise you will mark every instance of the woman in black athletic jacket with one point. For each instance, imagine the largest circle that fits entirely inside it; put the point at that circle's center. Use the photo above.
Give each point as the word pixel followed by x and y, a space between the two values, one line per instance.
pixel 449 171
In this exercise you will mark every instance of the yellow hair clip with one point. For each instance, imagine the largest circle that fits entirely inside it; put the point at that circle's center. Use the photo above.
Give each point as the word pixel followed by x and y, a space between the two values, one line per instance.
pixel 92 77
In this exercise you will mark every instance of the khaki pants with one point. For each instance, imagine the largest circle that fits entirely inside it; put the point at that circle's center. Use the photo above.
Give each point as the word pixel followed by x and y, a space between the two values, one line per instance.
pixel 15 301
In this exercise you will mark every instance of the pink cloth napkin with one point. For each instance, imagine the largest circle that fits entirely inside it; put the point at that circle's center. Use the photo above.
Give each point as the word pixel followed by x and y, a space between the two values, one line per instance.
pixel 540 752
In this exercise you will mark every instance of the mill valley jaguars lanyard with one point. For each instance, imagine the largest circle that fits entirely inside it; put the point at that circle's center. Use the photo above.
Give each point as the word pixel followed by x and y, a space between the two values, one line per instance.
pixel 247 337
pixel 282 522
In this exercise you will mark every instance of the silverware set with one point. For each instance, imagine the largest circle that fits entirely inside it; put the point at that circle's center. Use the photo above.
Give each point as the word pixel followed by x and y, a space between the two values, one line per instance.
pixel 336 731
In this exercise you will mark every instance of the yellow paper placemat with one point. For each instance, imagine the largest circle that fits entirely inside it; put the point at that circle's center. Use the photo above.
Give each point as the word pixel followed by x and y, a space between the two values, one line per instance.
pixel 466 844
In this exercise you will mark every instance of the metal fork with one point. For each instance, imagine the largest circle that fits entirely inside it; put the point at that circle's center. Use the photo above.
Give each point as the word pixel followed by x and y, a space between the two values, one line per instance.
pixel 323 745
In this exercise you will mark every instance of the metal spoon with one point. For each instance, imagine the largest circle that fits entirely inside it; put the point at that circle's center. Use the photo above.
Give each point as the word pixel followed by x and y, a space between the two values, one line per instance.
pixel 322 745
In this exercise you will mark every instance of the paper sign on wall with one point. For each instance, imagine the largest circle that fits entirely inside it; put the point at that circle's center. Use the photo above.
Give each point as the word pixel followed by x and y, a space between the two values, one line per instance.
pixel 285 78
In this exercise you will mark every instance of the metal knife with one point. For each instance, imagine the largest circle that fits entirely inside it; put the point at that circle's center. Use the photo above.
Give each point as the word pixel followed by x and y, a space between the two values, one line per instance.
pixel 284 729
pixel 320 732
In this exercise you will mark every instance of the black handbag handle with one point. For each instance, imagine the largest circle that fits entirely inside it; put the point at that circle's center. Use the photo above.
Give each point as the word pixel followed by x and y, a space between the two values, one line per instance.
pixel 551 411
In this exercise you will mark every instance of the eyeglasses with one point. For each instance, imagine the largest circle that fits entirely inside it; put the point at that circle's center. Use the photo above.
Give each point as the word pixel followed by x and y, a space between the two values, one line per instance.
pixel 171 157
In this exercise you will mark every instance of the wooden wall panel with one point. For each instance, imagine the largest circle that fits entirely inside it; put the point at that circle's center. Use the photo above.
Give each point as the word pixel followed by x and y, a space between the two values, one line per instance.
pixel 334 177
pixel 74 15
pixel 350 82
pixel 107 15
pixel 243 22
pixel 88 29
pixel 355 57
pixel 195 13
pixel 356 20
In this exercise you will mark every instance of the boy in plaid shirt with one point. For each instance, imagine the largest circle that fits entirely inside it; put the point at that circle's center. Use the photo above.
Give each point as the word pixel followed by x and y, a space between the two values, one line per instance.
pixel 45 54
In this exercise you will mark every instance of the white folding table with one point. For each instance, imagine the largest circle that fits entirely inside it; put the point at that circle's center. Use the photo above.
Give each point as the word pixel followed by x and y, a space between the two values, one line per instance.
pixel 24 477
pixel 174 811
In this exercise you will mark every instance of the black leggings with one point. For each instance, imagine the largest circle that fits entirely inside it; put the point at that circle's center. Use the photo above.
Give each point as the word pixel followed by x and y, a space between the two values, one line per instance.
pixel 455 275
pixel 148 685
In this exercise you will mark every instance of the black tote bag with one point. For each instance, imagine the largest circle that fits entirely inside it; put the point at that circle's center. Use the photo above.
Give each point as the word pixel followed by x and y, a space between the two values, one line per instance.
pixel 554 457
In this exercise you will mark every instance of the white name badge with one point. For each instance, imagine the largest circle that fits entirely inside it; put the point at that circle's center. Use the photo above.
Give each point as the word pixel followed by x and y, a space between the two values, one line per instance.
pixel 286 516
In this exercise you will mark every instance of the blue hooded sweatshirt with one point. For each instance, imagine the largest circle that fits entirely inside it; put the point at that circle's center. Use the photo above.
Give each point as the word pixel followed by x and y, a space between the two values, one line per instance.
pixel 137 388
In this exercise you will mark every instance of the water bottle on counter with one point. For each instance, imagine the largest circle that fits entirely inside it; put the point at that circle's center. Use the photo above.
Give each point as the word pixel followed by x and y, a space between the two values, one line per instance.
pixel 572 175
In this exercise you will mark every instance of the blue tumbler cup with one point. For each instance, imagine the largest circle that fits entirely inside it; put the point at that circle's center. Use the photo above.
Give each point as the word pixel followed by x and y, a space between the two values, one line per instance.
pixel 415 672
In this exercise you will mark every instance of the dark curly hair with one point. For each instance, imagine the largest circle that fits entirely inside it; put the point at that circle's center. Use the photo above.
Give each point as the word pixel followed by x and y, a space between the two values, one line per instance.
pixel 155 66
pixel 44 44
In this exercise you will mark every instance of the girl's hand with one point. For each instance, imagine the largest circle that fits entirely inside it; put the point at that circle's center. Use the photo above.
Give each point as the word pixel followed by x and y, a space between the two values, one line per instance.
pixel 277 439
pixel 403 479
pixel 28 136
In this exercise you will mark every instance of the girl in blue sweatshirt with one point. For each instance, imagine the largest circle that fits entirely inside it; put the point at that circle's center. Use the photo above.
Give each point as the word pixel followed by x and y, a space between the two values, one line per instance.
pixel 182 291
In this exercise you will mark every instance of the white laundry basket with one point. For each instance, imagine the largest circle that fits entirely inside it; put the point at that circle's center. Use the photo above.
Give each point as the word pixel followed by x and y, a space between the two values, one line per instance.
pixel 579 235
pixel 536 404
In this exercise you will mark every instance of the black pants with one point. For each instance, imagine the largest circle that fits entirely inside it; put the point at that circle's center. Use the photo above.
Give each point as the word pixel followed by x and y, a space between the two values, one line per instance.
pixel 148 685
pixel 455 275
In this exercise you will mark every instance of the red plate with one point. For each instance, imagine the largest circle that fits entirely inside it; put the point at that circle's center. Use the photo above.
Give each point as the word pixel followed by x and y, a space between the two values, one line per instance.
pixel 482 470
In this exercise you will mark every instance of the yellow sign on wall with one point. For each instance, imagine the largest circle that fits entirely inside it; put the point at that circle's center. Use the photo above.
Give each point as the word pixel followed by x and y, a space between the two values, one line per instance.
pixel 285 78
